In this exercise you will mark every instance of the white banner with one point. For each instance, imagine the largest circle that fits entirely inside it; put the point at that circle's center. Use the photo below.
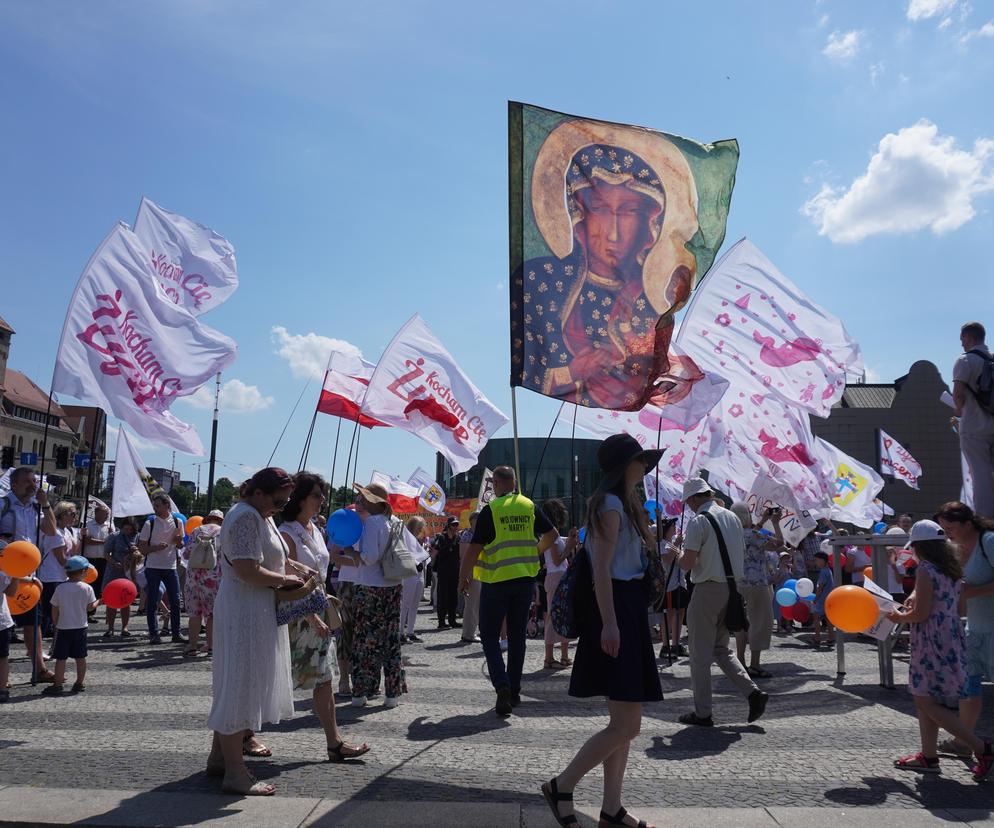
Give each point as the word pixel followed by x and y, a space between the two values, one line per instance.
pixel 749 323
pixel 194 265
pixel 795 523
pixel 966 489
pixel 431 497
pixel 130 351
pixel 417 386
pixel 897 461
pixel 486 493
pixel 855 486
pixel 132 482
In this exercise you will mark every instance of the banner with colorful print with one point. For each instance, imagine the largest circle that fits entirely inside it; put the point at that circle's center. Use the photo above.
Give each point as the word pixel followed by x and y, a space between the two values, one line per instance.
pixel 611 226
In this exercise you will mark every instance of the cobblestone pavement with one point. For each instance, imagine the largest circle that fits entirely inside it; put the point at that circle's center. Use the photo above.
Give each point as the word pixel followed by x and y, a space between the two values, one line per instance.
pixel 140 725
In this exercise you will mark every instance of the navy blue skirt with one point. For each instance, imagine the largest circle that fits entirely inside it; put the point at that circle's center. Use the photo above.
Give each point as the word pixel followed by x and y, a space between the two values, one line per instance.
pixel 632 676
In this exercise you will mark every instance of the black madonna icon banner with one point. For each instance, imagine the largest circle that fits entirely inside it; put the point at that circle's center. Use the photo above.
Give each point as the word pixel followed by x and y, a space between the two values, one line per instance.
pixel 611 227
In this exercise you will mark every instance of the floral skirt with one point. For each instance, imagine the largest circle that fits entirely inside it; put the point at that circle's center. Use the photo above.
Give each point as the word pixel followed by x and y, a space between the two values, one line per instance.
pixel 313 659
pixel 200 590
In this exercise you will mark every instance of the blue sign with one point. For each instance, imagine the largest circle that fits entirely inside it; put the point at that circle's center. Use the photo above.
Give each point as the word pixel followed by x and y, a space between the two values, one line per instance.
pixel 81 461
pixel 29 458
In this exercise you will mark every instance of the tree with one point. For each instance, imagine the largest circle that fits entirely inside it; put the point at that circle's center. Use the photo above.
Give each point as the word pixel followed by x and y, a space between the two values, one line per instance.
pixel 183 498
pixel 224 494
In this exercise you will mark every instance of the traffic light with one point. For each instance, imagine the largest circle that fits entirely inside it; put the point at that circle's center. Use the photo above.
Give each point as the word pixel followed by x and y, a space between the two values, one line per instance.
pixel 62 457
pixel 7 459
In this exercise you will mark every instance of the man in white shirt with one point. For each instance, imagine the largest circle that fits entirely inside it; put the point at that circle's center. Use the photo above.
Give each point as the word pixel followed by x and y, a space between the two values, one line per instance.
pixel 159 541
pixel 976 425
pixel 709 634
pixel 95 534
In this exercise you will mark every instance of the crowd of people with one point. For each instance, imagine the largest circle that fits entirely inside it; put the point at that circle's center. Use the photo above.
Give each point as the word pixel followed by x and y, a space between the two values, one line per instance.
pixel 280 608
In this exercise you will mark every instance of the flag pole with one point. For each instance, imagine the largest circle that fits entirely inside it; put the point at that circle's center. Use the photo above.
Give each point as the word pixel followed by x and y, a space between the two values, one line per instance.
pixel 285 425
pixel 531 494
pixel 307 442
pixel 514 423
pixel 89 471
pixel 348 464
pixel 210 472
pixel 659 551
pixel 573 470
pixel 37 639
pixel 334 460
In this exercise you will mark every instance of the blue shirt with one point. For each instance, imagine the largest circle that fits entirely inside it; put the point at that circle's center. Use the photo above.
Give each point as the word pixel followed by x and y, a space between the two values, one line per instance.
pixel 979 570
pixel 628 562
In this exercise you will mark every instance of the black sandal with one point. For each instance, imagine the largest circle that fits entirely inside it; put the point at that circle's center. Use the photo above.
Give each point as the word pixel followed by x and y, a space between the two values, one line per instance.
pixel 337 756
pixel 618 819
pixel 550 791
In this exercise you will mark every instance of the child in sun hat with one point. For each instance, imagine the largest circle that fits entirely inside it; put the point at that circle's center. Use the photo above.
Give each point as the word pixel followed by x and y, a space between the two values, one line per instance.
pixel 71 603
pixel 937 672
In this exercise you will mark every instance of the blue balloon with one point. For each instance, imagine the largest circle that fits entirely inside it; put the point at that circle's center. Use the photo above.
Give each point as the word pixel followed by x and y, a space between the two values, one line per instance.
pixel 879 528
pixel 652 506
pixel 791 584
pixel 786 597
pixel 810 597
pixel 582 534
pixel 344 527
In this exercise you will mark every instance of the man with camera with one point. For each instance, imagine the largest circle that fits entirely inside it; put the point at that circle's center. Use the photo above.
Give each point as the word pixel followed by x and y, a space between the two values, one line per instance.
pixel 714 552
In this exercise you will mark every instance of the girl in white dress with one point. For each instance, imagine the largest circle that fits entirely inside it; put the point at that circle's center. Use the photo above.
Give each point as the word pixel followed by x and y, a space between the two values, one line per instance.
pixel 252 683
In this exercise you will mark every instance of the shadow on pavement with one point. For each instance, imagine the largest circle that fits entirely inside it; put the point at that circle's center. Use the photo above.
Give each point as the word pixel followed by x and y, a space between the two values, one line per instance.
pixel 931 793
pixel 697 740
pixel 422 730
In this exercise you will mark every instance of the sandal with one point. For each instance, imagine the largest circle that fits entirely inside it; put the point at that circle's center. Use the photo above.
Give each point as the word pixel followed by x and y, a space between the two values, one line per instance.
pixel 45 677
pixel 618 819
pixel 247 786
pixel 190 651
pixel 257 750
pixel 918 762
pixel 551 664
pixel 756 672
pixel 338 755
pixel 566 661
pixel 553 797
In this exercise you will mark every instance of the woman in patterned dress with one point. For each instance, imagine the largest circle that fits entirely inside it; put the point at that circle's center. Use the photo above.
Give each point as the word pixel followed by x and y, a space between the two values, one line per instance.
pixel 937 670
pixel 313 659
pixel 201 586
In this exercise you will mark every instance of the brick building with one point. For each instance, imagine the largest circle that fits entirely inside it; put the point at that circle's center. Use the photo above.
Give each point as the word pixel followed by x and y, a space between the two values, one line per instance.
pixel 909 410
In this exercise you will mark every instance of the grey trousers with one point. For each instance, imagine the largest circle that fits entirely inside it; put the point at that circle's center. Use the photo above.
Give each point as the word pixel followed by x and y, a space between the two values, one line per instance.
pixel 978 451
pixel 709 639
pixel 471 610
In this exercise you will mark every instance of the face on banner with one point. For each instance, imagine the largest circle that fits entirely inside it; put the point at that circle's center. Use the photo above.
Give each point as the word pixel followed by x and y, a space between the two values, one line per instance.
pixel 603 260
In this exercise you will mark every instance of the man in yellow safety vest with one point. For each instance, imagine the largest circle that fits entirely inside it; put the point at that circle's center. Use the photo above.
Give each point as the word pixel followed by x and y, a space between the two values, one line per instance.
pixel 505 558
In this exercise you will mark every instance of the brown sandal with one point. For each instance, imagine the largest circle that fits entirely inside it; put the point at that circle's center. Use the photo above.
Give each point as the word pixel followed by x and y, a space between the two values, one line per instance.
pixel 247 785
pixel 257 750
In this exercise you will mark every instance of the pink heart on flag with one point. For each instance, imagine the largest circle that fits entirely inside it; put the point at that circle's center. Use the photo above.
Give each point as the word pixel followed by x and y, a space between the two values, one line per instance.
pixel 757 399
pixel 792 316
pixel 743 302
pixel 742 319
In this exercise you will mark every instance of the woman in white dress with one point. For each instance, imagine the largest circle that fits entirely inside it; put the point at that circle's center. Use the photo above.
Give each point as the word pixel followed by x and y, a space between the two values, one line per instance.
pixel 252 683
pixel 313 658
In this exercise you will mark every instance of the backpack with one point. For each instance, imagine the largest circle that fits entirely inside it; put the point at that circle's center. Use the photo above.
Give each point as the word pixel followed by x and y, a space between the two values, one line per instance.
pixel 571 602
pixel 397 561
pixel 984 392
pixel 203 553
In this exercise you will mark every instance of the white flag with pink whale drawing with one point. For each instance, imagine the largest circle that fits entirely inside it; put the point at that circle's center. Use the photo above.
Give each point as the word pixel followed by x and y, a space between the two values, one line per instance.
pixel 750 324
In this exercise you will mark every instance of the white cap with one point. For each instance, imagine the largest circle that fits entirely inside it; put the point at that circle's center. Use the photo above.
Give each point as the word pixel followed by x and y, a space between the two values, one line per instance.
pixel 925 530
pixel 695 486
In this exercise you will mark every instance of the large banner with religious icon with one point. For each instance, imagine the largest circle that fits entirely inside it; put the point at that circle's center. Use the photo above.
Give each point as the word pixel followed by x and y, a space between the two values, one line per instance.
pixel 611 226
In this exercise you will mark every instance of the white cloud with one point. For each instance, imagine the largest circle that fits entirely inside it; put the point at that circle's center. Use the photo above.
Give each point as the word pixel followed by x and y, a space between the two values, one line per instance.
pixel 842 46
pixel 987 30
pixel 236 397
pixel 945 24
pixel 926 9
pixel 308 354
pixel 823 21
pixel 917 179
pixel 872 375
pixel 876 70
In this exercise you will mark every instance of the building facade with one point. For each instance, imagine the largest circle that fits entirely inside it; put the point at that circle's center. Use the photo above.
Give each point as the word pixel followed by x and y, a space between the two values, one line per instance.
pixel 910 411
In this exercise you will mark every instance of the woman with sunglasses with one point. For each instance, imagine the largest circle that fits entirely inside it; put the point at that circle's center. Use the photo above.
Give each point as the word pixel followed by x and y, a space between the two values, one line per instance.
pixel 252 682
pixel 313 658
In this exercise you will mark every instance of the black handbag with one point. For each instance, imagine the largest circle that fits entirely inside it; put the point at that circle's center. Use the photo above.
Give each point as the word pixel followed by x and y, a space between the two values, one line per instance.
pixel 735 614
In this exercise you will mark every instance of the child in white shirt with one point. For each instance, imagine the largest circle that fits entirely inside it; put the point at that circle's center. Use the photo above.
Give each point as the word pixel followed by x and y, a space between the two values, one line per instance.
pixel 71 603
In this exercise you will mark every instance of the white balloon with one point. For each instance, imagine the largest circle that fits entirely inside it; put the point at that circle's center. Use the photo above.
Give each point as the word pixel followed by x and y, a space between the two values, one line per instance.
pixel 804 587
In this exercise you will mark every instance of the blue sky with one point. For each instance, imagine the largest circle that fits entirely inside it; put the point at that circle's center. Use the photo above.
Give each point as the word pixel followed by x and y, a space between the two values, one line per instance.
pixel 355 155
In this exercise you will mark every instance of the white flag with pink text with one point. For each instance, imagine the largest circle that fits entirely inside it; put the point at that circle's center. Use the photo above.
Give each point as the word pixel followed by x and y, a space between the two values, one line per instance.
pixel 129 350
pixel 751 325
pixel 195 265
pixel 897 461
pixel 417 386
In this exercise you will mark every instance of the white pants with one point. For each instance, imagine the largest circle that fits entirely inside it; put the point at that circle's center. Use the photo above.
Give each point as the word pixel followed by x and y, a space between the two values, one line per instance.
pixel 471 611
pixel 978 450
pixel 413 592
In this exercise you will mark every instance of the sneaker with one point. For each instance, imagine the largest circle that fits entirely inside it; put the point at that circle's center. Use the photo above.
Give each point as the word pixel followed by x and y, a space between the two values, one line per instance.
pixel 694 719
pixel 985 764
pixel 358 701
pixel 155 640
pixel 414 639
pixel 53 690
pixel 78 687
pixel 391 701
pixel 442 627
pixel 180 639
pixel 503 645
pixel 757 704
pixel 474 640
pixel 126 634
pixel 503 707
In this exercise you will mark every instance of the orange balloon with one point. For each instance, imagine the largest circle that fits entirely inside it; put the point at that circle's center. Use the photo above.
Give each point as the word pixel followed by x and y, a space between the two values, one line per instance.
pixel 19 559
pixel 192 523
pixel 868 572
pixel 28 594
pixel 851 608
pixel 91 574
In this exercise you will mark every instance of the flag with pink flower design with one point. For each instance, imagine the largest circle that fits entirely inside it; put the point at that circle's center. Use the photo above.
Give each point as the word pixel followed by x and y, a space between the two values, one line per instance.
pixel 749 323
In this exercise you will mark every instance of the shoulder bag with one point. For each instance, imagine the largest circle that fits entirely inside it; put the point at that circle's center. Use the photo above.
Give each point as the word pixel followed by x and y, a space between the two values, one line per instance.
pixel 735 614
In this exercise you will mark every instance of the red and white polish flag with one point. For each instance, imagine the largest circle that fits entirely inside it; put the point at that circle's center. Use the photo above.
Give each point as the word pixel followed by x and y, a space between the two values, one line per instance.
pixel 897 461
pixel 403 496
pixel 345 383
